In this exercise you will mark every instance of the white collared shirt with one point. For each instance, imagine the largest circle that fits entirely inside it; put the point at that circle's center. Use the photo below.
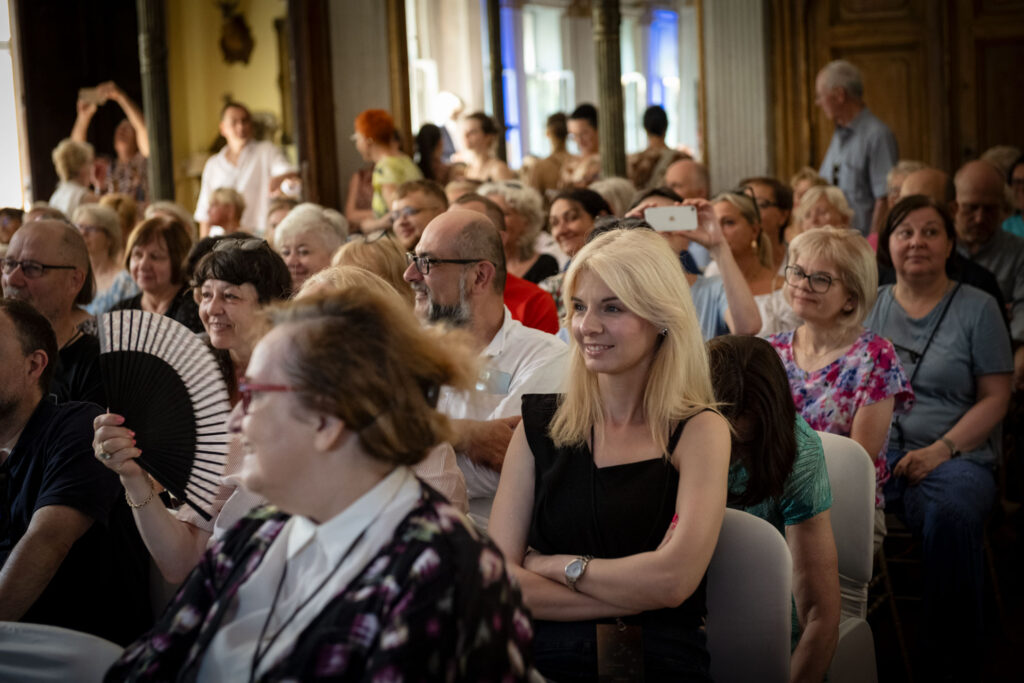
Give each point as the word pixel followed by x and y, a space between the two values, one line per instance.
pixel 521 360
pixel 312 551
pixel 258 163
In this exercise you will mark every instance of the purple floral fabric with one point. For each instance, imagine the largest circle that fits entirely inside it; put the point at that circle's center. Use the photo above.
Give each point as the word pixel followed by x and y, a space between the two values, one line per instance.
pixel 829 398
pixel 436 604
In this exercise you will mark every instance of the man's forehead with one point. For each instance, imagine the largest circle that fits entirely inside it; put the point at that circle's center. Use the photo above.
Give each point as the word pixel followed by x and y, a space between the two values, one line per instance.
pixel 35 241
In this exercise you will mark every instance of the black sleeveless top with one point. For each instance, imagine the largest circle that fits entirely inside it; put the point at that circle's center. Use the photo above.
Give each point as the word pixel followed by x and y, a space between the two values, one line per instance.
pixel 606 512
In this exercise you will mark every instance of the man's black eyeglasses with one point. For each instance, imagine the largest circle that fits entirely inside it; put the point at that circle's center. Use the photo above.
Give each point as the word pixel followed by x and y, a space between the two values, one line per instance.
pixel 425 263
pixel 31 269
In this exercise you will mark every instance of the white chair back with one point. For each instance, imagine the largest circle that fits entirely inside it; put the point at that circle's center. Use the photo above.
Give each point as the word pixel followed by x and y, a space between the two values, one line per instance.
pixel 34 653
pixel 749 593
pixel 851 474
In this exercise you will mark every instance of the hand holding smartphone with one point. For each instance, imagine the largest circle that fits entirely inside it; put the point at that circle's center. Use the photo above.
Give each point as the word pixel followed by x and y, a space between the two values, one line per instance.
pixel 672 218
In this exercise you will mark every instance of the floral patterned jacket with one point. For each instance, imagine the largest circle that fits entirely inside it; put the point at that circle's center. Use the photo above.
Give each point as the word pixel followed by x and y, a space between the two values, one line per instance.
pixel 435 604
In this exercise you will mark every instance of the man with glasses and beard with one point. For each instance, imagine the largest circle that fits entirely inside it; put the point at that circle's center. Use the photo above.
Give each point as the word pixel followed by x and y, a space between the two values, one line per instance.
pixel 458 275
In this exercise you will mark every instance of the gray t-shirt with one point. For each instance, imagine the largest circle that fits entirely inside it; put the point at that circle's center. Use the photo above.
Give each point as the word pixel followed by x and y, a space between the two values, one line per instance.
pixel 708 295
pixel 970 341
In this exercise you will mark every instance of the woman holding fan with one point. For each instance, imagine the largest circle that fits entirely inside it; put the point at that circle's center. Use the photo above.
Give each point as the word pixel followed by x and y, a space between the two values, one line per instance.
pixel 359 572
pixel 232 283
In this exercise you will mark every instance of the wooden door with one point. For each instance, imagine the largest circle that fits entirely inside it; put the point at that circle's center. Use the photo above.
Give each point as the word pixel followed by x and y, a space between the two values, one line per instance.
pixel 988 94
pixel 898 46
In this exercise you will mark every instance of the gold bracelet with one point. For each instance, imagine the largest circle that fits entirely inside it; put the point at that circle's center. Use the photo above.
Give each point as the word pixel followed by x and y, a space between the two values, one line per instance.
pixel 152 492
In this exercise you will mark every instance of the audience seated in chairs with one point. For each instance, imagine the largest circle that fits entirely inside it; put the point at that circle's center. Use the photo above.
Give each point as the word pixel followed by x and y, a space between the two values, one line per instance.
pixel 778 473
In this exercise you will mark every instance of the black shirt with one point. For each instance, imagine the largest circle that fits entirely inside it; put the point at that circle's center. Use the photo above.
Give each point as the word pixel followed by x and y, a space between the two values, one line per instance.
pixel 183 308
pixel 545 266
pixel 77 375
pixel 609 512
pixel 101 586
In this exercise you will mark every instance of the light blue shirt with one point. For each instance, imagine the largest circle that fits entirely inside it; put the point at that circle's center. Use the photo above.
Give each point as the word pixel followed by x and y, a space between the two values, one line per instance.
pixel 857 161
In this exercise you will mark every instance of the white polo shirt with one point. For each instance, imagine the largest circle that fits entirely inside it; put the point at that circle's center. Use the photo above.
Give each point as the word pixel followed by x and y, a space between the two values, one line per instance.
pixel 519 360
pixel 258 162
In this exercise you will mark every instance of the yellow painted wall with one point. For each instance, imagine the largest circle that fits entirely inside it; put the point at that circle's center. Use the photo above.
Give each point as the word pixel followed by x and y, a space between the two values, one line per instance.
pixel 200 78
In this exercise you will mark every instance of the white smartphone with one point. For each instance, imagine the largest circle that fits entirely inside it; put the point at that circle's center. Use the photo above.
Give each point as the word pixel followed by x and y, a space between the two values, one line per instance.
pixel 671 218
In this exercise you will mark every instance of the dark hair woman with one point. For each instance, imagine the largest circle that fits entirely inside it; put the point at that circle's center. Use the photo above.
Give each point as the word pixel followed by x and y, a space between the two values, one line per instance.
pixel 952 340
pixel 778 474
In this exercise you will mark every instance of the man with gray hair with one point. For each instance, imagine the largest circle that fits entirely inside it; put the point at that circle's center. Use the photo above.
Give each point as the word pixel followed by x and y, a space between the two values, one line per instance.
pixel 458 274
pixel 47 266
pixel 863 149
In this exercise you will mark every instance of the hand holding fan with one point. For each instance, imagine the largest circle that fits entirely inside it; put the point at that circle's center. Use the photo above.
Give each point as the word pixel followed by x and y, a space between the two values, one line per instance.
pixel 167 385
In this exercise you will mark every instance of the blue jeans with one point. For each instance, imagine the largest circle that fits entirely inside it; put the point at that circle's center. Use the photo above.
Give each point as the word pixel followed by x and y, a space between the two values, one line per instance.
pixel 947 510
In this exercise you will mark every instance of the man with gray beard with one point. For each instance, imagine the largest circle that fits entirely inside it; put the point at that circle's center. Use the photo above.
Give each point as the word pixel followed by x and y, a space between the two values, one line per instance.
pixel 458 275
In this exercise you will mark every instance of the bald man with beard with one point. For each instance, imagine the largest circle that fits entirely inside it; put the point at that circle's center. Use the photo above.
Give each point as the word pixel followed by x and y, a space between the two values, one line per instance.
pixel 47 266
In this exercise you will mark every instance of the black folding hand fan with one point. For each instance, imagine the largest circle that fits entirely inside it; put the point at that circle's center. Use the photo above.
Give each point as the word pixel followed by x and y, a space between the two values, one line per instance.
pixel 166 383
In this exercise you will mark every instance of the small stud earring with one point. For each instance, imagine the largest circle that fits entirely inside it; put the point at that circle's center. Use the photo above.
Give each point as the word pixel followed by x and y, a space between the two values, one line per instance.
pixel 664 331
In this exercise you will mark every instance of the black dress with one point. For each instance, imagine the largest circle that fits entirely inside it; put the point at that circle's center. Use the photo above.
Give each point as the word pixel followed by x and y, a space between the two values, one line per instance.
pixel 545 266
pixel 607 512
pixel 183 308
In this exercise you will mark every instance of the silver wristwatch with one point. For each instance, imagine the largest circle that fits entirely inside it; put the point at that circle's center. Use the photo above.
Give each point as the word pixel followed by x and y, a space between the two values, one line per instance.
pixel 574 571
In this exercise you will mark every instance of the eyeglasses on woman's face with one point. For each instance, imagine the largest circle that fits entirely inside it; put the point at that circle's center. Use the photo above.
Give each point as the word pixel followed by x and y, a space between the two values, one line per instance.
pixel 818 282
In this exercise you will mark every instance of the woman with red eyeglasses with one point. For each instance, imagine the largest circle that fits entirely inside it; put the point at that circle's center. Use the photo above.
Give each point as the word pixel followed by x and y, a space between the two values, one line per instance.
pixel 232 283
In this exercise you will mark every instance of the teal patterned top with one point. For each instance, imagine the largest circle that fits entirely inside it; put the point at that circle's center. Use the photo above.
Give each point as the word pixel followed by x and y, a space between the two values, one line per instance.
pixel 807 491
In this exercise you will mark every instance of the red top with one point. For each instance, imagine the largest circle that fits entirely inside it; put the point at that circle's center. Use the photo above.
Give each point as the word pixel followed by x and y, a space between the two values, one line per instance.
pixel 530 304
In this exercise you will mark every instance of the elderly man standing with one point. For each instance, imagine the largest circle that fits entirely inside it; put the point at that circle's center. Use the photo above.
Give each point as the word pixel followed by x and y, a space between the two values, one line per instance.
pixel 980 209
pixel 863 149
pixel 47 265
pixel 254 168
pixel 69 554
pixel 458 274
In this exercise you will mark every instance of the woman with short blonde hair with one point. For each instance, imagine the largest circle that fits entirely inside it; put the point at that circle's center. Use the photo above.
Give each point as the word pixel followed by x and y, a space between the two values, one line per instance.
pixel 617 487
pixel 823 205
pixel 845 379
pixel 73 162
pixel 100 227
pixel 382 257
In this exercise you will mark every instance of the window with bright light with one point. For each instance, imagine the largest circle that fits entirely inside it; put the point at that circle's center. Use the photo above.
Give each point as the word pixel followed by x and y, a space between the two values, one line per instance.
pixel 634 84
pixel 549 85
pixel 11 186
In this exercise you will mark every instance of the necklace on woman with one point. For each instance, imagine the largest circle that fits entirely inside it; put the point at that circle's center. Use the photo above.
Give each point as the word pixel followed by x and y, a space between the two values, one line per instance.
pixel 261 652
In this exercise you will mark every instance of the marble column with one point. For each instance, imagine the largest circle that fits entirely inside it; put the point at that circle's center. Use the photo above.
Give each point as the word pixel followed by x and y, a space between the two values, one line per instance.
pixel 606 18
pixel 155 100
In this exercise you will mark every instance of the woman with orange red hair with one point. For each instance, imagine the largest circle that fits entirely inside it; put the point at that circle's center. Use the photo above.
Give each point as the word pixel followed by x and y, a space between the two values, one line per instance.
pixel 377 140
